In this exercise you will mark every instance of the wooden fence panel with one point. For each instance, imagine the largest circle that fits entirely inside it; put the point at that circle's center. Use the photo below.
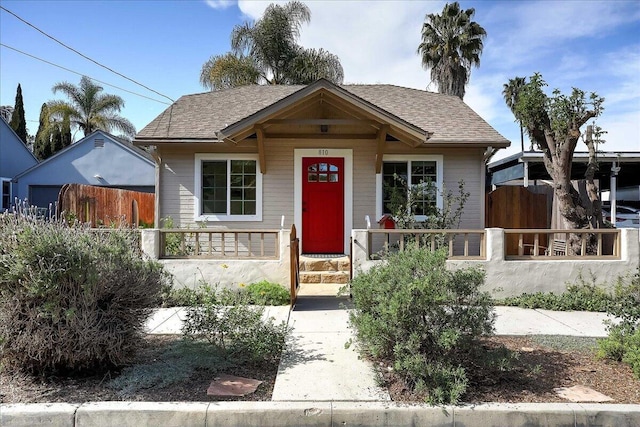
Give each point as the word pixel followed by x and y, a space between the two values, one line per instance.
pixel 105 206
pixel 516 207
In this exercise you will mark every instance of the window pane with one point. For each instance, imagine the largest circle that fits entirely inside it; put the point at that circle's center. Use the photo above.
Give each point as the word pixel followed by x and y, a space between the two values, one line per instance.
pixel 423 182
pixel 333 177
pixel 313 177
pixel 250 208
pixel 236 207
pixel 313 168
pixel 394 185
pixel 236 194
pixel 214 187
pixel 249 194
pixel 323 177
pixel 333 168
pixel 323 167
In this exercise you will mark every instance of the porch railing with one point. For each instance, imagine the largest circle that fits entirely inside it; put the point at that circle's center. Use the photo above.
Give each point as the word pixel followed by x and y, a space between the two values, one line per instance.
pixel 219 244
pixel 459 244
pixel 561 244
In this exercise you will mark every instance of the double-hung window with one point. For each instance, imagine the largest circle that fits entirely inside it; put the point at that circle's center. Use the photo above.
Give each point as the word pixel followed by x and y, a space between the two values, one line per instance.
pixel 228 187
pixel 402 176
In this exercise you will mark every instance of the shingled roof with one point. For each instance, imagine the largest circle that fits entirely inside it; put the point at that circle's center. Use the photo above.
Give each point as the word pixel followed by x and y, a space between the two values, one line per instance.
pixel 202 116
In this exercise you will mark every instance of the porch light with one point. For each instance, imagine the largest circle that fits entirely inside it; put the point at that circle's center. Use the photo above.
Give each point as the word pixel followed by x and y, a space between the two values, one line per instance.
pixel 324 128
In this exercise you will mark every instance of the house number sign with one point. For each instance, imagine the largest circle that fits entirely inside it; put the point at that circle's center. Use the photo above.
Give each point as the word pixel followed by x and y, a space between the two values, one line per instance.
pixel 323 152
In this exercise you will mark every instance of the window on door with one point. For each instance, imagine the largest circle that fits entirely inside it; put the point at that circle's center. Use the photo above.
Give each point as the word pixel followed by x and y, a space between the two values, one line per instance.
pixel 228 188
pixel 422 176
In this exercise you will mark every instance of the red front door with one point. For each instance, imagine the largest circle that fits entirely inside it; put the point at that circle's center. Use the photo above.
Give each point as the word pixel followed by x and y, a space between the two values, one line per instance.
pixel 323 205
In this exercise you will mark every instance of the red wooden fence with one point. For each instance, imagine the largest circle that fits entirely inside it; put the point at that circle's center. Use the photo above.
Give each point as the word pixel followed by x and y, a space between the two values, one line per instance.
pixel 106 206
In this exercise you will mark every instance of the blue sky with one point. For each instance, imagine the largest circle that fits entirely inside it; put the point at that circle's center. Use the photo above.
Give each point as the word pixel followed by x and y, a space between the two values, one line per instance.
pixel 592 45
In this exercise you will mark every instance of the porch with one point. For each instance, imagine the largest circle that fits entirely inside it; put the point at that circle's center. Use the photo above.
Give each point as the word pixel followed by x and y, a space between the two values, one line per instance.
pixel 515 261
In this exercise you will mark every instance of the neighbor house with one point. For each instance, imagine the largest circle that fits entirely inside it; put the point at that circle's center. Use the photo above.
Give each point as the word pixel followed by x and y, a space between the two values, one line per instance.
pixel 15 157
pixel 98 159
pixel 322 156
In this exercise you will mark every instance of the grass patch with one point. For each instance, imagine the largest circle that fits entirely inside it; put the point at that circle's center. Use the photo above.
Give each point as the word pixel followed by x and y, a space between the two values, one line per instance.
pixel 566 343
pixel 174 363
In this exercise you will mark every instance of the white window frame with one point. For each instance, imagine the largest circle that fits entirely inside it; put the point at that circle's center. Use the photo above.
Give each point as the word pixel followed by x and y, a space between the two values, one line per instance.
pixel 2 181
pixel 439 159
pixel 197 190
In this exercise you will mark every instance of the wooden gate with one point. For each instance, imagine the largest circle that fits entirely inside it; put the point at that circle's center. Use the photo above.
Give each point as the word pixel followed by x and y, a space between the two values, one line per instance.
pixel 294 258
pixel 517 207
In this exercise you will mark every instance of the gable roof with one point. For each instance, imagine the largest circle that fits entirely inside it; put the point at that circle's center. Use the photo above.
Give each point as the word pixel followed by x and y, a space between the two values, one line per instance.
pixel 206 116
pixel 136 151
pixel 17 139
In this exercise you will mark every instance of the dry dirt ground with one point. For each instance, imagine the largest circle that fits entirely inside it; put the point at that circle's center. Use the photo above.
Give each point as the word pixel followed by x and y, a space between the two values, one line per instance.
pixel 538 365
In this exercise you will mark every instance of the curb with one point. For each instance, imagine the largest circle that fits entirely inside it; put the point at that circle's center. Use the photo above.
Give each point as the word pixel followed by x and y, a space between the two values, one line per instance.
pixel 315 414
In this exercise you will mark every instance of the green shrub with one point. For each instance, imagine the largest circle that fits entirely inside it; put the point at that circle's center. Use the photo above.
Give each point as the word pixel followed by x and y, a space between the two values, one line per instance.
pixel 425 318
pixel 623 342
pixel 180 297
pixel 71 299
pixel 581 296
pixel 267 293
pixel 259 293
pixel 226 320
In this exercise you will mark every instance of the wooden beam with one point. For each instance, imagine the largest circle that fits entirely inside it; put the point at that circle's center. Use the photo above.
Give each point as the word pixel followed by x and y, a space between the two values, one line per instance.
pixel 318 122
pixel 320 136
pixel 260 135
pixel 382 137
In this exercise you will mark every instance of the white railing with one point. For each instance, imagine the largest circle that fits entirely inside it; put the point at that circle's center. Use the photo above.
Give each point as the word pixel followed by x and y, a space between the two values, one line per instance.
pixel 219 244
pixel 523 244
pixel 459 244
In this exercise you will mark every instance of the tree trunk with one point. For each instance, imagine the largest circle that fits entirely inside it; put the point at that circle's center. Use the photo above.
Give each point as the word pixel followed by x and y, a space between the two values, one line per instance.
pixel 594 211
pixel 558 162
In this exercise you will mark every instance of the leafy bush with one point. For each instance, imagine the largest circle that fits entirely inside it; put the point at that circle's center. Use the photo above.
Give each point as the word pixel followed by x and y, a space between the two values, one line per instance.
pixel 259 293
pixel 425 318
pixel 180 297
pixel 577 297
pixel 227 321
pixel 71 299
pixel 623 342
pixel 267 293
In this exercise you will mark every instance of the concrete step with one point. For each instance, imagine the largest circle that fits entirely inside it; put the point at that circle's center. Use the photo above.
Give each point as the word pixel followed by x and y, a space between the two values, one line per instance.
pixel 320 289
pixel 335 277
pixel 338 263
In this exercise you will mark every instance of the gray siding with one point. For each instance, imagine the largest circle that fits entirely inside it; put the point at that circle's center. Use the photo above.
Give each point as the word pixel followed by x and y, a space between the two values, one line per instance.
pixel 177 181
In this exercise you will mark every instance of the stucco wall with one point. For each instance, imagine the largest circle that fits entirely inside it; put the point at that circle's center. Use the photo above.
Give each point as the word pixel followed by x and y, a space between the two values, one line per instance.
pixel 514 277
pixel 229 273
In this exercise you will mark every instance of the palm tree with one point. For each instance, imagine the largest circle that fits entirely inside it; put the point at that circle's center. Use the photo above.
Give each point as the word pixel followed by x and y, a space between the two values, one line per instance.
pixel 89 109
pixel 451 44
pixel 267 52
pixel 510 91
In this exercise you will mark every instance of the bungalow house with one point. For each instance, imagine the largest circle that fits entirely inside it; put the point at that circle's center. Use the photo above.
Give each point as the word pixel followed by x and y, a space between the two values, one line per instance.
pixel 98 159
pixel 15 157
pixel 317 155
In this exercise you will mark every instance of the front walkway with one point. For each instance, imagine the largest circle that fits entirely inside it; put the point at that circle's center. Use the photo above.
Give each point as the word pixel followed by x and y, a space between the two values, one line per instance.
pixel 319 364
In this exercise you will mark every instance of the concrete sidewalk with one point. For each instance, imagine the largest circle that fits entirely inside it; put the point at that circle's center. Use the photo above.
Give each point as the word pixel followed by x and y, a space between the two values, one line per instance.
pixel 523 321
pixel 327 316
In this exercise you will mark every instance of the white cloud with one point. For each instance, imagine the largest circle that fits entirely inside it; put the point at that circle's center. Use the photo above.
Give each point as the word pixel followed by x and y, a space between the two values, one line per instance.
pixel 571 43
pixel 219 4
